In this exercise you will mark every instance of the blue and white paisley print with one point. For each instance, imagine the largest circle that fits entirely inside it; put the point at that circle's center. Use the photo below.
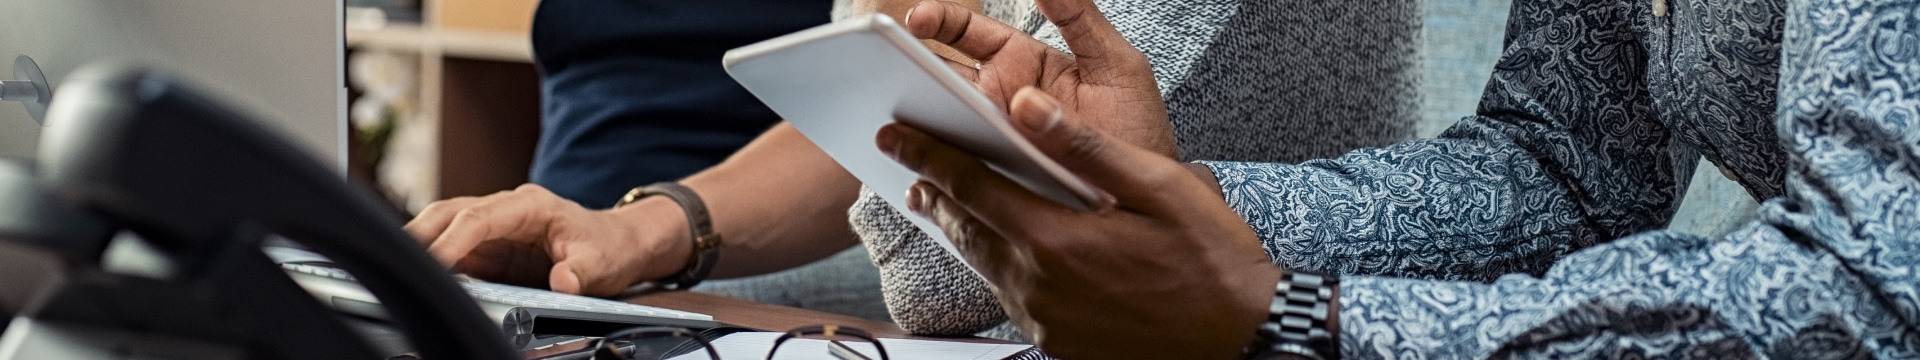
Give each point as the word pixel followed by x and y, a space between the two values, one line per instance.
pixel 1826 271
pixel 1586 133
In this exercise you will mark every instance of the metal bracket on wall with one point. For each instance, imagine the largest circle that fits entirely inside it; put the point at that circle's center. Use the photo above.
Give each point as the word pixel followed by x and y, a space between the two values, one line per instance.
pixel 31 88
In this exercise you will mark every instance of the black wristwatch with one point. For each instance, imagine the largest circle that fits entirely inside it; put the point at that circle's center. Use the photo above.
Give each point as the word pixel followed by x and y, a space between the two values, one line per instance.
pixel 1296 326
pixel 706 241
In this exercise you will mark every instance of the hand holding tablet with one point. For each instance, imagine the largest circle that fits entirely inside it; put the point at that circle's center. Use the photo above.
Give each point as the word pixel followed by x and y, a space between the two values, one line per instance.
pixel 839 83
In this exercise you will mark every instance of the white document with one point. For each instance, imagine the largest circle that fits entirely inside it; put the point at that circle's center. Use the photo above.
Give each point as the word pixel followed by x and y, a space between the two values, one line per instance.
pixel 754 346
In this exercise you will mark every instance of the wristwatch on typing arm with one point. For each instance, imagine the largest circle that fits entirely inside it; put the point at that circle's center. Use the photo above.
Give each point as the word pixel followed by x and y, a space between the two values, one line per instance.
pixel 706 240
pixel 1300 320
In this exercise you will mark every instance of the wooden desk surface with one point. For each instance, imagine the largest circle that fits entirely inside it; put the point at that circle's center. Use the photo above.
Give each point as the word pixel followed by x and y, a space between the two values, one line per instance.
pixel 768 317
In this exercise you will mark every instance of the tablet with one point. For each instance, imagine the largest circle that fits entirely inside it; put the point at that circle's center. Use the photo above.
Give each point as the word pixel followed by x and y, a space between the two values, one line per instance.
pixel 839 83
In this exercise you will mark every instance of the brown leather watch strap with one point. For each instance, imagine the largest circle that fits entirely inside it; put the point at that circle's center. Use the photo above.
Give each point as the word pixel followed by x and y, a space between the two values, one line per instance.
pixel 706 241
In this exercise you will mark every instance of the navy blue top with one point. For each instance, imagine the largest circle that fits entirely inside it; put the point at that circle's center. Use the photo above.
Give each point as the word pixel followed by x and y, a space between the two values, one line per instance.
pixel 634 93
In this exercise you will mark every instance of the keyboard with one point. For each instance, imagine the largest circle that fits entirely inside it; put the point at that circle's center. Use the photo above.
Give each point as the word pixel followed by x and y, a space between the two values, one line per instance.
pixel 525 315
pixel 519 296
pixel 522 297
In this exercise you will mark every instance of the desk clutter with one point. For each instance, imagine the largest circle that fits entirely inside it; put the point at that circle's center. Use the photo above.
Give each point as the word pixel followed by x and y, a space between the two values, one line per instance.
pixel 755 345
pixel 149 230
pixel 822 342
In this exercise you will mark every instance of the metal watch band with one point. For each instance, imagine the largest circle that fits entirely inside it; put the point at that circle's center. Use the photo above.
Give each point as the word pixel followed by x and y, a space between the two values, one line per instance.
pixel 1297 318
pixel 706 242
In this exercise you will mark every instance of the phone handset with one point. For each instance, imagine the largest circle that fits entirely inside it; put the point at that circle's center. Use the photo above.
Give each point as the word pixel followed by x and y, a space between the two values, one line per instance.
pixel 199 180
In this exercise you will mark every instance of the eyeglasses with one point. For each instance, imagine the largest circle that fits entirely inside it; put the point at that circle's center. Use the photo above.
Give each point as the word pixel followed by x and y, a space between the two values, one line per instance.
pixel 834 346
pixel 672 343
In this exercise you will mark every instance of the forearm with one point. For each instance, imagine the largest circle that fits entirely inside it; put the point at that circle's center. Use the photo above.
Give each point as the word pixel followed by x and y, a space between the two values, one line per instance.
pixel 778 203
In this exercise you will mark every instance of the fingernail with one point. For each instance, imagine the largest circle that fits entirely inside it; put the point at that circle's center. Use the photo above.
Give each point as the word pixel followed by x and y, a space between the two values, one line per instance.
pixel 1103 202
pixel 916 199
pixel 564 279
pixel 1038 124
pixel 888 139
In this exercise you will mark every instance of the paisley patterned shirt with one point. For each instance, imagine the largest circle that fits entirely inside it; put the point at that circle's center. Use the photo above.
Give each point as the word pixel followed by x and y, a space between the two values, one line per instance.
pixel 1513 234
pixel 1590 111
pixel 1586 131
pixel 1244 81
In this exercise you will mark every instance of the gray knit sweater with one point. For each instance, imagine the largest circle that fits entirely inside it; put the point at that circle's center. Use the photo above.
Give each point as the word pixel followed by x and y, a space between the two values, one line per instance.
pixel 1265 81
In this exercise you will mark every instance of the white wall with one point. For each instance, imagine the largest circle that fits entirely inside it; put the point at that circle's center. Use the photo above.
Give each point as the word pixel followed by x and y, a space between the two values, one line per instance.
pixel 1460 43
pixel 17 138
pixel 277 59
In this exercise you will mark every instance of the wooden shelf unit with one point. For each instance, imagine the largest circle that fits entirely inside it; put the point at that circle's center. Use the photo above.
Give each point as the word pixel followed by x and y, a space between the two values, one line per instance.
pixel 477 91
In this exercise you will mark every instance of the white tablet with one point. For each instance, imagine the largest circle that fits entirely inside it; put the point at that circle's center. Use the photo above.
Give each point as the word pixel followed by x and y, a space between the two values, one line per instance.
pixel 839 83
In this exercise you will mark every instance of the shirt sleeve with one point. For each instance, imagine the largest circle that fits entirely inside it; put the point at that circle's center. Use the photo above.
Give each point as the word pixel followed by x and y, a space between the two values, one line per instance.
pixel 1564 153
pixel 1754 293
pixel 1824 272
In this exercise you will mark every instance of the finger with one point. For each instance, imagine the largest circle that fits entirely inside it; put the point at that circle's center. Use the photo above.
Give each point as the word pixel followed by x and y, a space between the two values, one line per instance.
pixel 1096 44
pixel 434 218
pixel 946 52
pixel 522 216
pixel 506 262
pixel 990 42
pixel 979 245
pixel 973 34
pixel 968 71
pixel 566 277
pixel 589 268
pixel 1129 173
pixel 962 176
pixel 563 278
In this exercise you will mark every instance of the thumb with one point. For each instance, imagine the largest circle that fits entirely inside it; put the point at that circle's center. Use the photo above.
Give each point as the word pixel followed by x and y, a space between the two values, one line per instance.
pixel 581 276
pixel 1127 172
pixel 563 278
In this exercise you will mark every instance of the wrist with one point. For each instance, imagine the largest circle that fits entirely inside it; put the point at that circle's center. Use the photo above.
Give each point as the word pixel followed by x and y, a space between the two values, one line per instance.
pixel 1333 317
pixel 1205 174
pixel 1250 291
pixel 656 228
pixel 1303 319
pixel 1255 298
pixel 705 242
pixel 1258 295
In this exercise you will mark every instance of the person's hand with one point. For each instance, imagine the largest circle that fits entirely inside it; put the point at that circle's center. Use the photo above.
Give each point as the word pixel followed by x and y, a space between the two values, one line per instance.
pixel 898 10
pixel 531 237
pixel 1106 79
pixel 1165 270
